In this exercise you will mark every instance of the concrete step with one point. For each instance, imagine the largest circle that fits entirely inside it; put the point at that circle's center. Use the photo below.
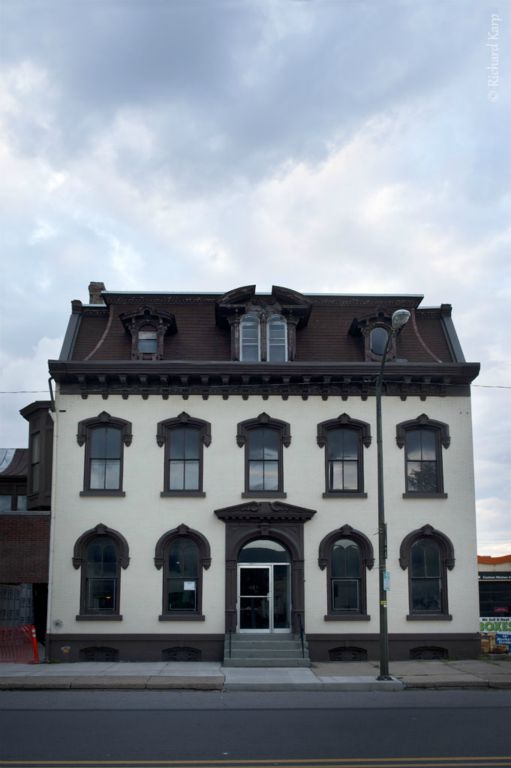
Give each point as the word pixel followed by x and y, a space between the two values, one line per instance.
pixel 266 662
pixel 266 645
pixel 254 653
pixel 245 650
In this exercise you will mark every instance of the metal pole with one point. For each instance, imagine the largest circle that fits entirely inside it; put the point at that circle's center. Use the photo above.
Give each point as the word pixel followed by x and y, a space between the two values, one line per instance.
pixel 382 527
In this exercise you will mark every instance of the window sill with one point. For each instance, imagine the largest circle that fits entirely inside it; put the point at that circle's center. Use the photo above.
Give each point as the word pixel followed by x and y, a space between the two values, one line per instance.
pixel 264 495
pixel 182 617
pixel 345 495
pixel 347 617
pixel 102 493
pixel 424 495
pixel 195 494
pixel 98 617
pixel 432 617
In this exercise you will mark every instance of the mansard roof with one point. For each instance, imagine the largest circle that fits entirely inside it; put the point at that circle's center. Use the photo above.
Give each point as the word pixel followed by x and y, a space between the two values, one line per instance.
pixel 329 355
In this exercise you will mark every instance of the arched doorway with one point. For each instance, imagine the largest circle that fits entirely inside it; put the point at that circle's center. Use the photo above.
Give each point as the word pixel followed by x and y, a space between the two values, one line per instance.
pixel 275 520
pixel 264 587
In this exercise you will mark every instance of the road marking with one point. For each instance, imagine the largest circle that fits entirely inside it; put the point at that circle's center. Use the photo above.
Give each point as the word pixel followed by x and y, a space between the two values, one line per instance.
pixel 343 762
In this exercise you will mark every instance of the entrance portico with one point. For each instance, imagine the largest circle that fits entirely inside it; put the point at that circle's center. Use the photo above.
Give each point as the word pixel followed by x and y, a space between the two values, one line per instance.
pixel 264 567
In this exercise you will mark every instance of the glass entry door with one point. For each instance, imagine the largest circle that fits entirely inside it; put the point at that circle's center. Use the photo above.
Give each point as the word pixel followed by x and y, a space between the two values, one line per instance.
pixel 264 598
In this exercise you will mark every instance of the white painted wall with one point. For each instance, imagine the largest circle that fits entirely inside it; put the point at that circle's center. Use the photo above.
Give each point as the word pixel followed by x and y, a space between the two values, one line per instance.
pixel 142 516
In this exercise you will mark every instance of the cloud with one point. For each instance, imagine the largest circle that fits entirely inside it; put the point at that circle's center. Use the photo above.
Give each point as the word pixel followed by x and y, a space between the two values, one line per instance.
pixel 26 375
pixel 344 147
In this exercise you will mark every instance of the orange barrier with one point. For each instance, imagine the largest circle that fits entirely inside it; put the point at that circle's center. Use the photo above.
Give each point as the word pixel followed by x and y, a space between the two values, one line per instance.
pixel 19 645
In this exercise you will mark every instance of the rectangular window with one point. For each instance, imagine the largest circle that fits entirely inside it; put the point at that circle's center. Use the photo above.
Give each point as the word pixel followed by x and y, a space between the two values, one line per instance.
pixel 184 461
pixel 105 462
pixel 342 457
pixel 5 502
pixel 421 461
pixel 263 460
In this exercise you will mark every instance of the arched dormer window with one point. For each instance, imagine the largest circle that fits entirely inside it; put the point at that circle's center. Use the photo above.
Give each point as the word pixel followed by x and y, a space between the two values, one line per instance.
pixel 148 328
pixel 374 330
pixel 263 328
pixel 276 339
pixel 250 338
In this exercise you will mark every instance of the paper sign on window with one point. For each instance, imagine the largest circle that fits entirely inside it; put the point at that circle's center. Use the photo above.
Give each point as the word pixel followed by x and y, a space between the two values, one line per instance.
pixel 189 586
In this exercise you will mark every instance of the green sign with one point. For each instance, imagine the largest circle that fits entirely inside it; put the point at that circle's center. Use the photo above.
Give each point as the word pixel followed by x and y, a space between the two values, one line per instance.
pixel 495 625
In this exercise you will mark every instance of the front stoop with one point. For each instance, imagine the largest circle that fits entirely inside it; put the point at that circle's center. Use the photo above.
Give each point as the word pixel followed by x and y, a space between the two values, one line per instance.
pixel 272 650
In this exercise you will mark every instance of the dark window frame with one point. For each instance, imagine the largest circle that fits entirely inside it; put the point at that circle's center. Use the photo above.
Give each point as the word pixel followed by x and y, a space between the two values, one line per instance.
pixel 440 431
pixel 161 564
pixel 245 430
pixel 346 532
pixel 163 431
pixel 83 437
pixel 162 323
pixel 447 562
pixel 80 563
pixel 363 431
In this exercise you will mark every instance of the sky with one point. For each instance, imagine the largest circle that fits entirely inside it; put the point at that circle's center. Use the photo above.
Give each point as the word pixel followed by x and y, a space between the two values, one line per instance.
pixel 198 145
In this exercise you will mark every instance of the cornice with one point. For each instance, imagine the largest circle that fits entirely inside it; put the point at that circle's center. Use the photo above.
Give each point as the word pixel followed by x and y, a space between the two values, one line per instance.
pixel 265 511
pixel 224 379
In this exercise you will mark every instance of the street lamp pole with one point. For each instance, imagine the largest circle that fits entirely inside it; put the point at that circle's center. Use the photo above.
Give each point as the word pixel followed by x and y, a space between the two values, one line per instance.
pixel 399 319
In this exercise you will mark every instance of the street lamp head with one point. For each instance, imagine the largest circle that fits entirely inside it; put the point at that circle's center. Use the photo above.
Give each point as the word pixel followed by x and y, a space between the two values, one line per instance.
pixel 400 318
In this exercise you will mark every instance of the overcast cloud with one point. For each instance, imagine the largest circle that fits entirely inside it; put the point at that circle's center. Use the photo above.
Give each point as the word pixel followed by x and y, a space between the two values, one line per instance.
pixel 325 145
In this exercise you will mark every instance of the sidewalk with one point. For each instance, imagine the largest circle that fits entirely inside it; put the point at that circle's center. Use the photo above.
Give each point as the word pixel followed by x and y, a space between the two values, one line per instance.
pixel 494 672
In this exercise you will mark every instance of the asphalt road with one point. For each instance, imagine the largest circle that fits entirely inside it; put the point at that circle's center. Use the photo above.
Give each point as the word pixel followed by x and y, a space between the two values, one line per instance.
pixel 366 730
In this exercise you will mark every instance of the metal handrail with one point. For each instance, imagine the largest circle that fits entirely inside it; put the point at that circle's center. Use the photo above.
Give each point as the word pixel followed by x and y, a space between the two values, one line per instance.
pixel 301 634
pixel 230 643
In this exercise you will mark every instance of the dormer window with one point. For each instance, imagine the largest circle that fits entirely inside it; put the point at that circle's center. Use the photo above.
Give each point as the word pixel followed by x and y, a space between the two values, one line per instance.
pixel 250 338
pixel 375 330
pixel 263 327
pixel 377 340
pixel 147 343
pixel 276 337
pixel 148 329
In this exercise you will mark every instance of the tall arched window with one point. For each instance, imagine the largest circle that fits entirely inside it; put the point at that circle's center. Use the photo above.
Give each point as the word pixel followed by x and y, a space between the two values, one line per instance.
pixel 346 554
pixel 182 575
pixel 182 554
pixel 425 577
pixel 100 553
pixel 276 339
pixel 250 339
pixel 427 554
pixel 101 576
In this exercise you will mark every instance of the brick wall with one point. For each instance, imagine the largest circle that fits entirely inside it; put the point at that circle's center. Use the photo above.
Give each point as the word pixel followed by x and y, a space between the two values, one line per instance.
pixel 24 548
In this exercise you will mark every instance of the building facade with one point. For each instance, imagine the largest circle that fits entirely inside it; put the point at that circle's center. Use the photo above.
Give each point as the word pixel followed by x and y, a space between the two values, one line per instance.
pixel 25 496
pixel 215 476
